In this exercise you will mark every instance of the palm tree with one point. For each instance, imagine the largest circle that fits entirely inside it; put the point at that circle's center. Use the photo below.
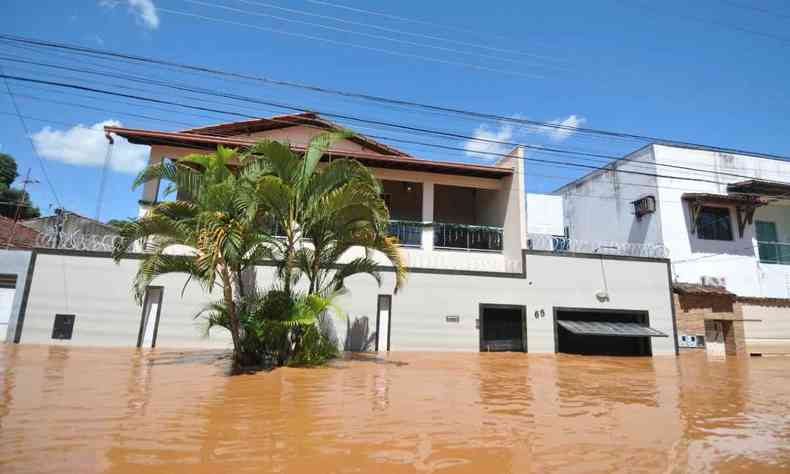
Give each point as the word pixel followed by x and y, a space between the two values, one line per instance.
pixel 324 211
pixel 217 228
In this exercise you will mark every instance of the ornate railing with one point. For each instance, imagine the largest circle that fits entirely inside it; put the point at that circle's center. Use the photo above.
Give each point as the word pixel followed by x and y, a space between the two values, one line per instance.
pixel 467 237
pixel 774 252
pixel 407 232
pixel 562 244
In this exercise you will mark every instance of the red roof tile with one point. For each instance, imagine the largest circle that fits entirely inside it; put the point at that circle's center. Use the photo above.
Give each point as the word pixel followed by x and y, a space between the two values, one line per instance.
pixel 17 235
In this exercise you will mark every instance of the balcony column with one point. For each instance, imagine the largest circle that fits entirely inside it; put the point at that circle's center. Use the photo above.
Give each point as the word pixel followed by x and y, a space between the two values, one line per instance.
pixel 427 215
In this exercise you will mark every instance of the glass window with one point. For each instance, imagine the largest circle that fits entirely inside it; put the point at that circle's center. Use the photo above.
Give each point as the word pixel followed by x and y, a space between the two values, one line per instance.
pixel 714 223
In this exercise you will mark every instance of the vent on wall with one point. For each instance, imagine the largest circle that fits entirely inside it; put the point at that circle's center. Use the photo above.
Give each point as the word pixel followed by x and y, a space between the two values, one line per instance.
pixel 63 327
pixel 452 319
pixel 644 206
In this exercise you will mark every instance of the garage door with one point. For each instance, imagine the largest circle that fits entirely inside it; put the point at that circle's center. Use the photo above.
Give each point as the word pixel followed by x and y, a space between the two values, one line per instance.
pixel 593 332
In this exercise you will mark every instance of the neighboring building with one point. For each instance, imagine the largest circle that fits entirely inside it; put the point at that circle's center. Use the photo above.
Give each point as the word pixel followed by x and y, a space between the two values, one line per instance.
pixel 16 235
pixel 475 283
pixel 727 227
pixel 13 269
pixel 69 230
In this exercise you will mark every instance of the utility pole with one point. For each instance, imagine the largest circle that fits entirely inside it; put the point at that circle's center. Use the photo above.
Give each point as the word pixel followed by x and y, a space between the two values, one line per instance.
pixel 25 182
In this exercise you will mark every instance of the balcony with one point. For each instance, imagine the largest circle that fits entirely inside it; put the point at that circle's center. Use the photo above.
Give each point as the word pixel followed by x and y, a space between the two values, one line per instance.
pixel 774 252
pixel 408 233
pixel 467 237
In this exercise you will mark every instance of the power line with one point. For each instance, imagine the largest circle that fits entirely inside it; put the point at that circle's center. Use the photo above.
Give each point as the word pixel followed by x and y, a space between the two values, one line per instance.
pixel 756 9
pixel 30 139
pixel 442 133
pixel 353 45
pixel 160 101
pixel 374 98
pixel 433 24
pixel 395 30
pixel 711 21
pixel 530 174
pixel 353 32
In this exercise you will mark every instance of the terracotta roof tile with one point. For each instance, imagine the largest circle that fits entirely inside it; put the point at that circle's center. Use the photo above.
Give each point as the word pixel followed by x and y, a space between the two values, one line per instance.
pixel 23 237
pixel 698 289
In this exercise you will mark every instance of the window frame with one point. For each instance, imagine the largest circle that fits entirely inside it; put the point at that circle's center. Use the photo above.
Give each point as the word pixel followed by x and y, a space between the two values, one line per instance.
pixel 701 227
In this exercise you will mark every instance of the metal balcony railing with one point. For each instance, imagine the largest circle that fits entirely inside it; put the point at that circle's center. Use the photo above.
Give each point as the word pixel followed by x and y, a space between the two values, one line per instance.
pixel 407 232
pixel 774 252
pixel 467 237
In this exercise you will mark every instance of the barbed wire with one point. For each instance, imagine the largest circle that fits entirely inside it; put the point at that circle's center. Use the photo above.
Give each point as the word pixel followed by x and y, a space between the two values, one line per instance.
pixel 76 240
pixel 562 244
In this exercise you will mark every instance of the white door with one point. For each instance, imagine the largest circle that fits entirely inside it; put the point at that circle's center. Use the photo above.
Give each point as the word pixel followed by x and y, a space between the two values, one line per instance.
pixel 153 300
pixel 6 301
pixel 383 323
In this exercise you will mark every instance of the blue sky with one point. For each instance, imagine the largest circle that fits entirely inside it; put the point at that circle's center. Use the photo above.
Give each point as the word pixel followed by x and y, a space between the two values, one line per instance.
pixel 714 72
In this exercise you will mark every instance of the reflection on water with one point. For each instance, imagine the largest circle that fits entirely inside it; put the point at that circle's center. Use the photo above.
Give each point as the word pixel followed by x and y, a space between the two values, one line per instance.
pixel 115 410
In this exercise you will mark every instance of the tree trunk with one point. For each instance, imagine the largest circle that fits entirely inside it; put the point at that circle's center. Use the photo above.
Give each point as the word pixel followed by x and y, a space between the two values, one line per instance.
pixel 227 296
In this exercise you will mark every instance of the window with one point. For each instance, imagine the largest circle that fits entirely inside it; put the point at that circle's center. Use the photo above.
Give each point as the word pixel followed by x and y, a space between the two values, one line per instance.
pixel 771 250
pixel 714 223
pixel 63 327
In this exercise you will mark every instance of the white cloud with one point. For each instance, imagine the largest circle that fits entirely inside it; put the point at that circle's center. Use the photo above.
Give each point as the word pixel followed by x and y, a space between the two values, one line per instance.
pixel 482 149
pixel 144 11
pixel 568 123
pixel 513 133
pixel 87 146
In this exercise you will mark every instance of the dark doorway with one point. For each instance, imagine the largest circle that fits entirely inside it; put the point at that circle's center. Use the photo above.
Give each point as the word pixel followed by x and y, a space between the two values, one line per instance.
pixel 503 328
pixel 614 341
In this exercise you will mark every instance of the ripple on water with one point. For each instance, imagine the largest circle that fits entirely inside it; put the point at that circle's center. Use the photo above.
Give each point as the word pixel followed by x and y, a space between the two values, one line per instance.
pixel 117 410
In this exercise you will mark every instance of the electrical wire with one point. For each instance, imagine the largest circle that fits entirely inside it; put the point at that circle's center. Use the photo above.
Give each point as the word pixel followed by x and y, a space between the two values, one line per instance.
pixel 428 107
pixel 398 31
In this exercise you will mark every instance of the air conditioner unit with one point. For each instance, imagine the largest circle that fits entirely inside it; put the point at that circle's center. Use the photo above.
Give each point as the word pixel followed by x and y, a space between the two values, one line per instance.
pixel 645 205
pixel 719 282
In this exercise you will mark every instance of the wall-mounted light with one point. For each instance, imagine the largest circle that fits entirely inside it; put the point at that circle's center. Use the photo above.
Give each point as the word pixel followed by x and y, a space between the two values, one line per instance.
pixel 409 187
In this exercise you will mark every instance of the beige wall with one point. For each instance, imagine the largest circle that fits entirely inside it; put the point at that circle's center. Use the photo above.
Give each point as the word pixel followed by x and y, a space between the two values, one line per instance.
pixel 97 291
pixel 767 328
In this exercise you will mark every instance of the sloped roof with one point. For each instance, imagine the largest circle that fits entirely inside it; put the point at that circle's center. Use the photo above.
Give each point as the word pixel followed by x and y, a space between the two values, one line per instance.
pixel 23 237
pixel 232 135
pixel 248 127
pixel 760 187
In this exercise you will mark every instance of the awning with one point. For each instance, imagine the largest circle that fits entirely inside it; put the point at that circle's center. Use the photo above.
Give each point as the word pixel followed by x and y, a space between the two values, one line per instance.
pixel 594 328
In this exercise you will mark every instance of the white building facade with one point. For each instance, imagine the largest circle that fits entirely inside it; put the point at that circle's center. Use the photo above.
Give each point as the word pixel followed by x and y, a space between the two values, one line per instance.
pixel 479 277
pixel 722 217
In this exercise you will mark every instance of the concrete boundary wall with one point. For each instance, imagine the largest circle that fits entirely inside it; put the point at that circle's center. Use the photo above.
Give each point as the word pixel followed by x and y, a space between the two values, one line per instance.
pixel 766 328
pixel 98 292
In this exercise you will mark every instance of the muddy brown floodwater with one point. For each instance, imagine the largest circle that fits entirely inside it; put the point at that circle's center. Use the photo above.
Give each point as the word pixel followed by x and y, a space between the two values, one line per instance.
pixel 125 411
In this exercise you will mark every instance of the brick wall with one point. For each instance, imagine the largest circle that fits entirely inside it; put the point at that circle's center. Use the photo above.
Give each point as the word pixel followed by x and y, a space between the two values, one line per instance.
pixel 691 311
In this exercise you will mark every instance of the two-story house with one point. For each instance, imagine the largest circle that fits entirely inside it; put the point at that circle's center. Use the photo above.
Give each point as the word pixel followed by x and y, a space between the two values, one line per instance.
pixel 476 282
pixel 723 218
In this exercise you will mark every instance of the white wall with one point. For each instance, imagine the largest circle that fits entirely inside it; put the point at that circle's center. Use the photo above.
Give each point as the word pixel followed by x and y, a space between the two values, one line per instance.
pixel 13 262
pixel 734 260
pixel 97 291
pixel 545 214
pixel 598 208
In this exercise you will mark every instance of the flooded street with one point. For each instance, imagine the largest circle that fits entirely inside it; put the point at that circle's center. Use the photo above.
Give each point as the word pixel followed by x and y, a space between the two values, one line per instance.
pixel 124 411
